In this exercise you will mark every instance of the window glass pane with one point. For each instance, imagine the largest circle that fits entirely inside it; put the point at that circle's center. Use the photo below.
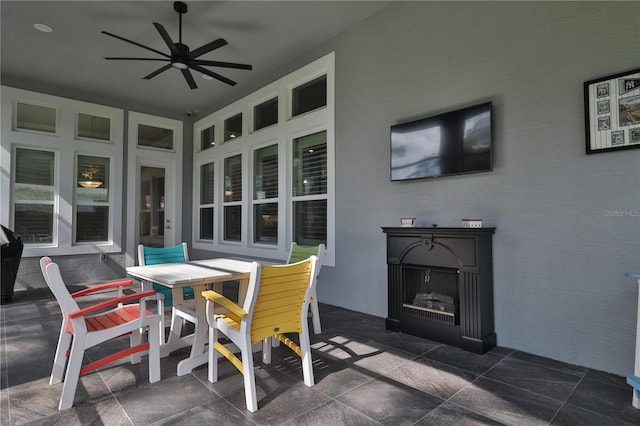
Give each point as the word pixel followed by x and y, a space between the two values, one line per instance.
pixel 92 223
pixel 34 174
pixel 266 173
pixel 206 183
pixel 152 193
pixel 155 137
pixel 92 179
pixel 207 138
pixel 35 117
pixel 266 223
pixel 233 178
pixel 309 96
pixel 233 127
pixel 92 127
pixel 232 223
pixel 310 222
pixel 310 164
pixel 206 223
pixel 265 114
pixel 34 223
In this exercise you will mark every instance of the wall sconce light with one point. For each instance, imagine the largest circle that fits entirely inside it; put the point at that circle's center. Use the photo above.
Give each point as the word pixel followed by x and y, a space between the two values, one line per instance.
pixel 88 175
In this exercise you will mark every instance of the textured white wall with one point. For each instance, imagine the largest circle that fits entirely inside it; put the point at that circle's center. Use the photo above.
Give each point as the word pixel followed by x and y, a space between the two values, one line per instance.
pixel 559 259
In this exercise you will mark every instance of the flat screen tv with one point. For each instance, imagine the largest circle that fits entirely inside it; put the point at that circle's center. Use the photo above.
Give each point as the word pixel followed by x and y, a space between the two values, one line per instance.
pixel 451 143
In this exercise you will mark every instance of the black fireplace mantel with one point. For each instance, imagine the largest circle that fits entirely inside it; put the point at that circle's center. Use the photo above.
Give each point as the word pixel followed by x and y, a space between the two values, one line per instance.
pixel 466 252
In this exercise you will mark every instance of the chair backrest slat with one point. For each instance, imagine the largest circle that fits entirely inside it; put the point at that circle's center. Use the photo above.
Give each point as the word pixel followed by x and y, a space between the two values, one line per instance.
pixel 298 252
pixel 158 255
pixel 281 295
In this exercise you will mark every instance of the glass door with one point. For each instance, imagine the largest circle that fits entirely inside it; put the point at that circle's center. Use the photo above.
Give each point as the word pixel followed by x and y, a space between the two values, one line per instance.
pixel 151 217
pixel 154 193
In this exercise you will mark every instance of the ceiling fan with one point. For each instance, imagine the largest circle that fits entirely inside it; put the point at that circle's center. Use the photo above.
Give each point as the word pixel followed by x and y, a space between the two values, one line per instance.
pixel 180 57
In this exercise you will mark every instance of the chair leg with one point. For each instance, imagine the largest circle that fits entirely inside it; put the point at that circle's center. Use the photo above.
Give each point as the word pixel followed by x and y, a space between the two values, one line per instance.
pixel 134 340
pixel 73 375
pixel 249 376
pixel 307 361
pixel 176 327
pixel 317 329
pixel 154 351
pixel 213 355
pixel 266 349
pixel 60 359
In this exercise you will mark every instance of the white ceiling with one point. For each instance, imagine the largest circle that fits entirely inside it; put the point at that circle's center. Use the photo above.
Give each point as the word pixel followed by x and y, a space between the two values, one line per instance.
pixel 265 34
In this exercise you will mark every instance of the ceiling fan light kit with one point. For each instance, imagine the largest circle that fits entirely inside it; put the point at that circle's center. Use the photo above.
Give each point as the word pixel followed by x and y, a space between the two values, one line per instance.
pixel 180 57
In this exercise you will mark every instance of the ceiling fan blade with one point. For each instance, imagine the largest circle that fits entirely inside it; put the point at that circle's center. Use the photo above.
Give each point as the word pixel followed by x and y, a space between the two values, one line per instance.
pixel 223 64
pixel 138 59
pixel 203 70
pixel 207 48
pixel 165 36
pixel 156 72
pixel 136 44
pixel 187 76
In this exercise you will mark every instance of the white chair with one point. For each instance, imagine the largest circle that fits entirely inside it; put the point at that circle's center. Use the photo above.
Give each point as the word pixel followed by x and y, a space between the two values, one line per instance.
pixel 277 302
pixel 181 300
pixel 92 325
pixel 298 253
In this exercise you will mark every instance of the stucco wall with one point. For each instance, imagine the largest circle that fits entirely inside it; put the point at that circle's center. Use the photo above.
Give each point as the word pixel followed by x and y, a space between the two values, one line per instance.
pixel 559 255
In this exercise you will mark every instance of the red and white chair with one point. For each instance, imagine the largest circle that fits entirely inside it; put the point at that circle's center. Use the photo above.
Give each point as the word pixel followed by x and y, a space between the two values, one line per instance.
pixel 92 325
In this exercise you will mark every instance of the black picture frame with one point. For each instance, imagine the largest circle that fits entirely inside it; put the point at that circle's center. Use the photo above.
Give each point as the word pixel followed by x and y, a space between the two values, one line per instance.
pixel 612 112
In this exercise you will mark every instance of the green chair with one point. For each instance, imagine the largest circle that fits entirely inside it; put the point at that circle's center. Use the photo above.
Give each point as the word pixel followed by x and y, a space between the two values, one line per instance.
pixel 181 300
pixel 298 253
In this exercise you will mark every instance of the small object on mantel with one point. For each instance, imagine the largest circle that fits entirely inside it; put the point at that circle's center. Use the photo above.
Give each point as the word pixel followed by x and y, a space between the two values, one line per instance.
pixel 472 223
pixel 407 222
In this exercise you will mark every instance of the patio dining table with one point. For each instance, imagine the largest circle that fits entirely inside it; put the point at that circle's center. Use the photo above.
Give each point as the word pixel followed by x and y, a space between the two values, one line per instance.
pixel 196 274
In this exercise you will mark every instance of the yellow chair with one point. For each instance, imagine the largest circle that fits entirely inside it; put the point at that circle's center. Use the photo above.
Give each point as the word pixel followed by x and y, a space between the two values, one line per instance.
pixel 277 302
pixel 298 253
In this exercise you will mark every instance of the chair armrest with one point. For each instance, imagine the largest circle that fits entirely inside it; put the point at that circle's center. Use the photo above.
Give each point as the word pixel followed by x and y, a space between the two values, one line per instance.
pixel 108 303
pixel 103 286
pixel 224 302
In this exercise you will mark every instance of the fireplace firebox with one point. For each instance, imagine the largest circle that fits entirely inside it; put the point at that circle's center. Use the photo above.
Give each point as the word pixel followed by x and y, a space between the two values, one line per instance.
pixel 440 285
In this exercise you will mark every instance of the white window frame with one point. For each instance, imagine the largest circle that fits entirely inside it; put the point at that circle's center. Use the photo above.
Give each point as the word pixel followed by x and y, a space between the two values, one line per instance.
pixel 66 146
pixel 211 205
pixel 253 202
pixel 93 203
pixel 282 134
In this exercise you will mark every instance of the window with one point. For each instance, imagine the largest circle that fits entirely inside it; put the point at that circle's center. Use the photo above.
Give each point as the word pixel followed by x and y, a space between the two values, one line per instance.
pixel 65 196
pixel 233 198
pixel 275 184
pixel 92 199
pixel 309 96
pixel 265 114
pixel 310 189
pixel 207 138
pixel 93 127
pixel 36 117
pixel 206 201
pixel 155 137
pixel 233 127
pixel 265 195
pixel 34 194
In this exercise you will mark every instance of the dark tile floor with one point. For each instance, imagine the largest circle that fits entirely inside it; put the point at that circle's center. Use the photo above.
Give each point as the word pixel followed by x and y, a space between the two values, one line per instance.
pixel 364 375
